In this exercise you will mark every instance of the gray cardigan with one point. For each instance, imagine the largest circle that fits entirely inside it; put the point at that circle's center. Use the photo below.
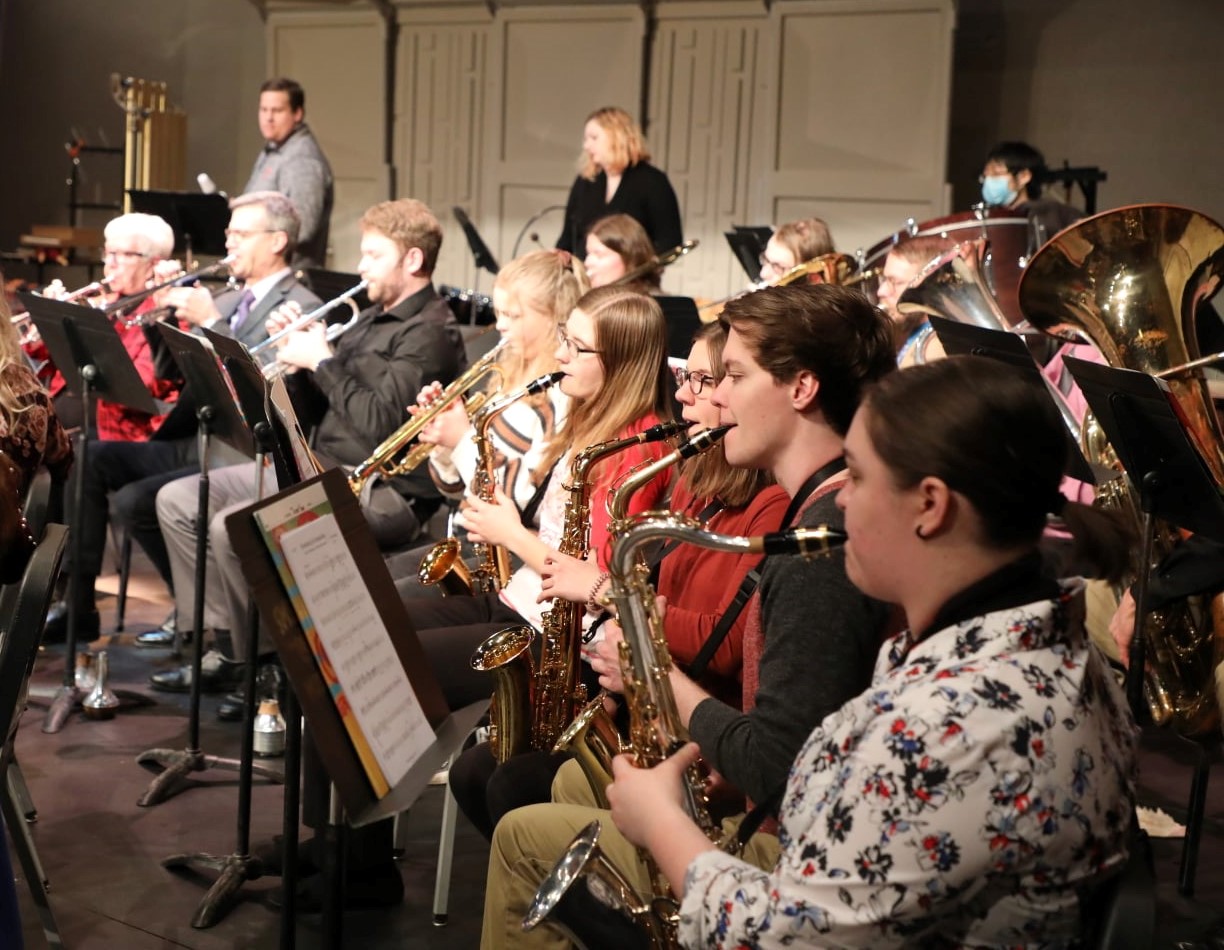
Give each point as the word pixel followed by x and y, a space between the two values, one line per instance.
pixel 298 169
pixel 821 640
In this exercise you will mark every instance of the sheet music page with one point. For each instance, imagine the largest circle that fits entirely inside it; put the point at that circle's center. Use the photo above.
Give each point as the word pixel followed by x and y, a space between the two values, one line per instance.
pixel 358 645
pixel 282 405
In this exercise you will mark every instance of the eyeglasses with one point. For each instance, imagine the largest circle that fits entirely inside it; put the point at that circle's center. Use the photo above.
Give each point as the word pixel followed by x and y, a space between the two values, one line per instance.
pixel 123 255
pixel 696 381
pixel 774 266
pixel 243 235
pixel 573 348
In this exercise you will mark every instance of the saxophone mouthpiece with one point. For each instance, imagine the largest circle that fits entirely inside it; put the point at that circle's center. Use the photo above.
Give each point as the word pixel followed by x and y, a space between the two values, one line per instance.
pixel 703 440
pixel 664 430
pixel 818 541
pixel 541 383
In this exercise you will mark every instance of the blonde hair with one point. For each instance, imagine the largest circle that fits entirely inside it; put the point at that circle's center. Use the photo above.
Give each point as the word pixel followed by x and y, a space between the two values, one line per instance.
pixel 631 336
pixel 549 282
pixel 710 475
pixel 628 142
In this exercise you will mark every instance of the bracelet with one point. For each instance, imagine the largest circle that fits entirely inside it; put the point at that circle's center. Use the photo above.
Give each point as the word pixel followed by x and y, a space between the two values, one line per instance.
pixel 592 605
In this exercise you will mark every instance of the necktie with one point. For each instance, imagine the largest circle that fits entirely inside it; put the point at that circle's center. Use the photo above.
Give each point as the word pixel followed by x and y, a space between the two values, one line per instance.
pixel 244 310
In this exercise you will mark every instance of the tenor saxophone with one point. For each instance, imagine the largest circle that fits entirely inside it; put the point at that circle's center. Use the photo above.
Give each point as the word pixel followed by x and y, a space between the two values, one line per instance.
pixel 655 730
pixel 532 706
pixel 443 563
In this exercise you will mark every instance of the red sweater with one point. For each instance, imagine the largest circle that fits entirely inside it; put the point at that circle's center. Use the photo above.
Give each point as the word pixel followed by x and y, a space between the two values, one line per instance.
pixel 699 585
pixel 612 470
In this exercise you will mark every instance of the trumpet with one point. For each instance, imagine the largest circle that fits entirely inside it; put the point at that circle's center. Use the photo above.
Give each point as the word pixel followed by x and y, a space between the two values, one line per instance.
pixel 383 461
pixel 307 319
pixel 658 262
pixel 23 321
pixel 132 300
pixel 832 268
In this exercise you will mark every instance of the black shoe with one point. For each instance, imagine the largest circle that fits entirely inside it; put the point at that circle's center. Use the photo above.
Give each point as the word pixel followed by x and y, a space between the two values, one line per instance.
pixel 89 624
pixel 380 886
pixel 159 638
pixel 232 708
pixel 271 855
pixel 269 682
pixel 217 675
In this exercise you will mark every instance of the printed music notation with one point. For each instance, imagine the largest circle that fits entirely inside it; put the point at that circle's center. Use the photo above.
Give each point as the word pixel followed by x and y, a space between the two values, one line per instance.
pixel 346 634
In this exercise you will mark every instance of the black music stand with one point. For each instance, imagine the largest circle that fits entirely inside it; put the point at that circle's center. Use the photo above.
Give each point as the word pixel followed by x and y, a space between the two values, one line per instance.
pixel 683 322
pixel 219 416
pixel 748 244
pixel 353 789
pixel 88 351
pixel 198 220
pixel 965 339
pixel 1174 484
pixel 480 250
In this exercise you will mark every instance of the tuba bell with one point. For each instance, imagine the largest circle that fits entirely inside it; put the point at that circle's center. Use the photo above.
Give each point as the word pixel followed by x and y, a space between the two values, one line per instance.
pixel 1131 280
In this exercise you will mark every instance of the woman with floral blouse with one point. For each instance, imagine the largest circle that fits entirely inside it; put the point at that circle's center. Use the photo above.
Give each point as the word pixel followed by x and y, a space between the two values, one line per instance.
pixel 983 782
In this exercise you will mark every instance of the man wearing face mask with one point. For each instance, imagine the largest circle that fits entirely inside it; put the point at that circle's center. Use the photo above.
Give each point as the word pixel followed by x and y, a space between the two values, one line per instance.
pixel 1011 178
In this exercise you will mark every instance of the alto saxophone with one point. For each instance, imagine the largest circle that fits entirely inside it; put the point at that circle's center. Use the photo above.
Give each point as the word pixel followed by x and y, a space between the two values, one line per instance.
pixel 592 737
pixel 532 707
pixel 444 564
pixel 655 729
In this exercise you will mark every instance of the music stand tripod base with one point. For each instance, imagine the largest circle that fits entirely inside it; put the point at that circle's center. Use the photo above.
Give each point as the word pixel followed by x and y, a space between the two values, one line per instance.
pixel 178 764
pixel 236 870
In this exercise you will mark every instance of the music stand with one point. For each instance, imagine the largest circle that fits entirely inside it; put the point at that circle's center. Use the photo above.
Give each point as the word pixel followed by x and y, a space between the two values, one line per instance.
pixel 87 349
pixel 748 244
pixel 683 322
pixel 480 250
pixel 1143 425
pixel 198 220
pixel 965 339
pixel 340 751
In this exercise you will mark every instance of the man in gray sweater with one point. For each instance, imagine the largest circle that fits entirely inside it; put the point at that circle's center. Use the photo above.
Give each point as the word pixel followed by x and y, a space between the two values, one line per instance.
pixel 292 163
pixel 797 361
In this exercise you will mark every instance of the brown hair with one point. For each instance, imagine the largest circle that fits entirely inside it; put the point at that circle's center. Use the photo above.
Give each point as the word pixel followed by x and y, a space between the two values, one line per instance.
pixel 626 237
pixel 631 337
pixel 628 142
pixel 920 251
pixel 994 436
pixel 550 282
pixel 297 96
pixel 409 223
pixel 831 331
pixel 807 239
pixel 709 475
pixel 16 379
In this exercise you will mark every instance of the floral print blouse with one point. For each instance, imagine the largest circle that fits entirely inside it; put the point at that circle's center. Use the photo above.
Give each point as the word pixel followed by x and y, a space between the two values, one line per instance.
pixel 962 800
pixel 33 436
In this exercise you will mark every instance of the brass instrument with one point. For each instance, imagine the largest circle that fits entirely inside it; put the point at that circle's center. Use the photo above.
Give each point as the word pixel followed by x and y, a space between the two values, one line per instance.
pixel 383 461
pixel 832 268
pixel 592 737
pixel 133 300
pixel 655 731
pixel 658 262
pixel 444 564
pixel 1130 280
pixel 24 321
pixel 306 319
pixel 534 717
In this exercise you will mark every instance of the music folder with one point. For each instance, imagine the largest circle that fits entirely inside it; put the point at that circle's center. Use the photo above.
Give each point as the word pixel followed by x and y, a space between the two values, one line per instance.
pixel 325 596
pixel 198 220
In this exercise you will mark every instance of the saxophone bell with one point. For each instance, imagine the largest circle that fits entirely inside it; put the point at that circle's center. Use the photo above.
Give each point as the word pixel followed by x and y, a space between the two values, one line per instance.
pixel 507 655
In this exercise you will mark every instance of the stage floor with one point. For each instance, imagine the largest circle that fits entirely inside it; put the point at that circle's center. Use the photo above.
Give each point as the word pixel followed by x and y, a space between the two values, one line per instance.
pixel 101 851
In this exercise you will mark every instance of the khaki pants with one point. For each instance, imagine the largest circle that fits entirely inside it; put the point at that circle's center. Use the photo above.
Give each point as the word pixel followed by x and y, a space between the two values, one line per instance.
pixel 528 842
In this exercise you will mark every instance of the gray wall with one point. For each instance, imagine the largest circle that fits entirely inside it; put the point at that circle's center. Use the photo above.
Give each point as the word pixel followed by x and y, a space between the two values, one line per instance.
pixel 1129 85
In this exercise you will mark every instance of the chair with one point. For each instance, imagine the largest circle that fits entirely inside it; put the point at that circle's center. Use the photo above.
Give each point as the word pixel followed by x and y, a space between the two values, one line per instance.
pixel 23 612
pixel 1121 914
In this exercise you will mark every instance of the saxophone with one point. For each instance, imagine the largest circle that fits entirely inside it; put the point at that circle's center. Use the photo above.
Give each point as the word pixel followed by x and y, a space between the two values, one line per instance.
pixel 532 707
pixel 443 563
pixel 655 732
pixel 592 737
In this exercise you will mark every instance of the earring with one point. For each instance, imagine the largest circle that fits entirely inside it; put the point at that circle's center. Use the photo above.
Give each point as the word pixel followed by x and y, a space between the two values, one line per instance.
pixel 918 533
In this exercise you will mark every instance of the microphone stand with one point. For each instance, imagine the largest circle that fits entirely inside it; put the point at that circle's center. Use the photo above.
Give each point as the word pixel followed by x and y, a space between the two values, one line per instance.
pixel 530 221
pixel 178 764
pixel 239 866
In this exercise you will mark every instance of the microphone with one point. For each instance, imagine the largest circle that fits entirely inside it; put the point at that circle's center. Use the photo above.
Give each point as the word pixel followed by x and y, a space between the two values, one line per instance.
pixel 208 186
pixel 534 236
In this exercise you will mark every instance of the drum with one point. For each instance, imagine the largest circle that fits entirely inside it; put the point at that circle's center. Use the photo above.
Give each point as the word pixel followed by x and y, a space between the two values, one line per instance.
pixel 1007 232
pixel 468 306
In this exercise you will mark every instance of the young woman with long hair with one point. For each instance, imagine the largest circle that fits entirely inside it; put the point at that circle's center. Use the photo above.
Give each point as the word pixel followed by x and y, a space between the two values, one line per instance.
pixel 616 246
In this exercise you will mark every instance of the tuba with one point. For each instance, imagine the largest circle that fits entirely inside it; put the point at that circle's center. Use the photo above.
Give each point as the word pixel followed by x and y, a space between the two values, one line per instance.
pixel 383 462
pixel 1131 280
pixel 655 729
pixel 532 707
pixel 444 564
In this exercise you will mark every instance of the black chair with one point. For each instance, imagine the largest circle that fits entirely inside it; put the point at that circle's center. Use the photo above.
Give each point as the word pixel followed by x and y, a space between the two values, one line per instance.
pixel 23 612
pixel 1121 913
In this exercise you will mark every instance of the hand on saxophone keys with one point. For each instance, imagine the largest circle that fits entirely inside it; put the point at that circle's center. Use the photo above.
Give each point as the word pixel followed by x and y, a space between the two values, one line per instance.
pixel 606 661
pixel 570 579
pixel 492 522
pixel 648 804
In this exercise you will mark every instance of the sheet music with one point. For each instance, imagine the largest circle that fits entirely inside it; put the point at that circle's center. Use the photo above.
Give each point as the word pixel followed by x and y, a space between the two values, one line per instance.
pixel 282 405
pixel 357 645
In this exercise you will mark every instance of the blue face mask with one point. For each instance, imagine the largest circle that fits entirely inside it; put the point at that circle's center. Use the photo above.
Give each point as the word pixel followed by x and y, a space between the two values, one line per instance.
pixel 995 191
